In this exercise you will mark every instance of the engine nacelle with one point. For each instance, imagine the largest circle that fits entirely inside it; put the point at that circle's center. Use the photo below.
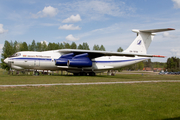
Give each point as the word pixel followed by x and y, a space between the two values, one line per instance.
pixel 81 60
pixel 62 61
pixel 79 63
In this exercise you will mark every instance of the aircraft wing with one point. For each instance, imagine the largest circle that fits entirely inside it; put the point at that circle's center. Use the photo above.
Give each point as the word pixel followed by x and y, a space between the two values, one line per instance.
pixel 94 54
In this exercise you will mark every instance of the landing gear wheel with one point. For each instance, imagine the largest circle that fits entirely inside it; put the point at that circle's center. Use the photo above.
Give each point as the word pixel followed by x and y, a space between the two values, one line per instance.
pixel 83 74
pixel 75 74
pixel 92 74
pixel 36 73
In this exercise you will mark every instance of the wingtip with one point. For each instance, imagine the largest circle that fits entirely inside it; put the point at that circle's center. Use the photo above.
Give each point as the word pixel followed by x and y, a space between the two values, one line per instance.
pixel 171 29
pixel 159 56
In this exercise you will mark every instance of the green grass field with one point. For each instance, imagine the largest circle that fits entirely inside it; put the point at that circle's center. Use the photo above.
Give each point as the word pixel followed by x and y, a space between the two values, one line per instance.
pixel 141 101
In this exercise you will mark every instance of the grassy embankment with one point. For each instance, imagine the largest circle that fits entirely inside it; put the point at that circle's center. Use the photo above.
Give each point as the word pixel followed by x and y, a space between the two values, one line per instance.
pixel 118 101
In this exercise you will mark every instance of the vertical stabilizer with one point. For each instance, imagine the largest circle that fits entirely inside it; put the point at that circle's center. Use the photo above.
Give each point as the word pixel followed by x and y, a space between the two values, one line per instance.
pixel 144 38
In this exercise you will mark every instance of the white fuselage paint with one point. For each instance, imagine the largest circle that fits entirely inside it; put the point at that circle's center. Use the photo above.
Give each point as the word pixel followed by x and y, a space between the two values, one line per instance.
pixel 46 61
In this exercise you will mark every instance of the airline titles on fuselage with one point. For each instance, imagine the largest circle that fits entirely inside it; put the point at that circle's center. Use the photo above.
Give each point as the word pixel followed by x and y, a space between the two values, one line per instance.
pixel 39 56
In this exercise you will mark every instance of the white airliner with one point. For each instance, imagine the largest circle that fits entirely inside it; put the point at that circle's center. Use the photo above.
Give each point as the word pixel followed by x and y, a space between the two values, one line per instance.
pixel 83 62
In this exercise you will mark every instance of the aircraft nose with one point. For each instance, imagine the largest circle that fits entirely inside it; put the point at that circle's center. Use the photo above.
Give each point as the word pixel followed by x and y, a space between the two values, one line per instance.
pixel 6 60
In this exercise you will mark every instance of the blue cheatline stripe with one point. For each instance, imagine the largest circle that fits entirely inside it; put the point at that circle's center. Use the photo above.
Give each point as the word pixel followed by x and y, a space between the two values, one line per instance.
pixel 118 60
pixel 46 59
pixel 24 58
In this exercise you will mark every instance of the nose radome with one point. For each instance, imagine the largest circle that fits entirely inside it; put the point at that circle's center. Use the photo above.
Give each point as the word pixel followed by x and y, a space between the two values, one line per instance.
pixel 6 60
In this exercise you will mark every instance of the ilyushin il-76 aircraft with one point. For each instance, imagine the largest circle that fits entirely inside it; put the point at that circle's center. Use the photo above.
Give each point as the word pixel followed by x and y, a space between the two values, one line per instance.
pixel 86 62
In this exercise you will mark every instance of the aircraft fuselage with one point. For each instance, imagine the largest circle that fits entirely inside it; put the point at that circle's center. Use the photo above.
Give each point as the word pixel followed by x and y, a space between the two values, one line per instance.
pixel 47 61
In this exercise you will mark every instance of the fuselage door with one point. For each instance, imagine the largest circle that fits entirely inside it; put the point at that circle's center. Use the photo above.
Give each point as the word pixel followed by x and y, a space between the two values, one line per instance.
pixel 36 62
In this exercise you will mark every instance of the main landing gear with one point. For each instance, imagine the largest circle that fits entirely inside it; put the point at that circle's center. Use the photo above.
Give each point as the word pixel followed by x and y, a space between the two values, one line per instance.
pixel 84 74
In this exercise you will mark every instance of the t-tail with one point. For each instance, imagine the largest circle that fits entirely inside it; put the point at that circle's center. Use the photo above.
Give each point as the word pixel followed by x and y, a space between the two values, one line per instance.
pixel 144 38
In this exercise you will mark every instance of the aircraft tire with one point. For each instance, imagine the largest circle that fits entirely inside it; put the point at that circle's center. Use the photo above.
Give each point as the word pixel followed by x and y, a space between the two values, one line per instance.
pixel 83 74
pixel 76 74
pixel 92 74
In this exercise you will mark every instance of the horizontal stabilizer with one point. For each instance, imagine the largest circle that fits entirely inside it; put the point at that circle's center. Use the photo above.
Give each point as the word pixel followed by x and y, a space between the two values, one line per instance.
pixel 157 30
pixel 152 30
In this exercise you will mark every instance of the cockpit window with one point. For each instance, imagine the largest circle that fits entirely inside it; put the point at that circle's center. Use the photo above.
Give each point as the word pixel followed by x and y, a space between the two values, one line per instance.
pixel 16 55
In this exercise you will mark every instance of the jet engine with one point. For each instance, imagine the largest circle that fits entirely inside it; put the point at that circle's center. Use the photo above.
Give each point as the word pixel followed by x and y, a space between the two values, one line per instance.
pixel 81 60
pixel 62 61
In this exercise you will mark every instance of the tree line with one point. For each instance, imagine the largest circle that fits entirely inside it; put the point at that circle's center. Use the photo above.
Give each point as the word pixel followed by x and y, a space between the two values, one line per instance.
pixel 173 64
pixel 12 47
pixel 43 46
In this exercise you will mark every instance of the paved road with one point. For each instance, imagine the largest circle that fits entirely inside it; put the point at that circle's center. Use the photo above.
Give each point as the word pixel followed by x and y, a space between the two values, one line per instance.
pixel 93 83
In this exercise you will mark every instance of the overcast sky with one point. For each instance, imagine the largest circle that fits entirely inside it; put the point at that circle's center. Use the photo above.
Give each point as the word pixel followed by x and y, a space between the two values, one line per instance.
pixel 106 22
